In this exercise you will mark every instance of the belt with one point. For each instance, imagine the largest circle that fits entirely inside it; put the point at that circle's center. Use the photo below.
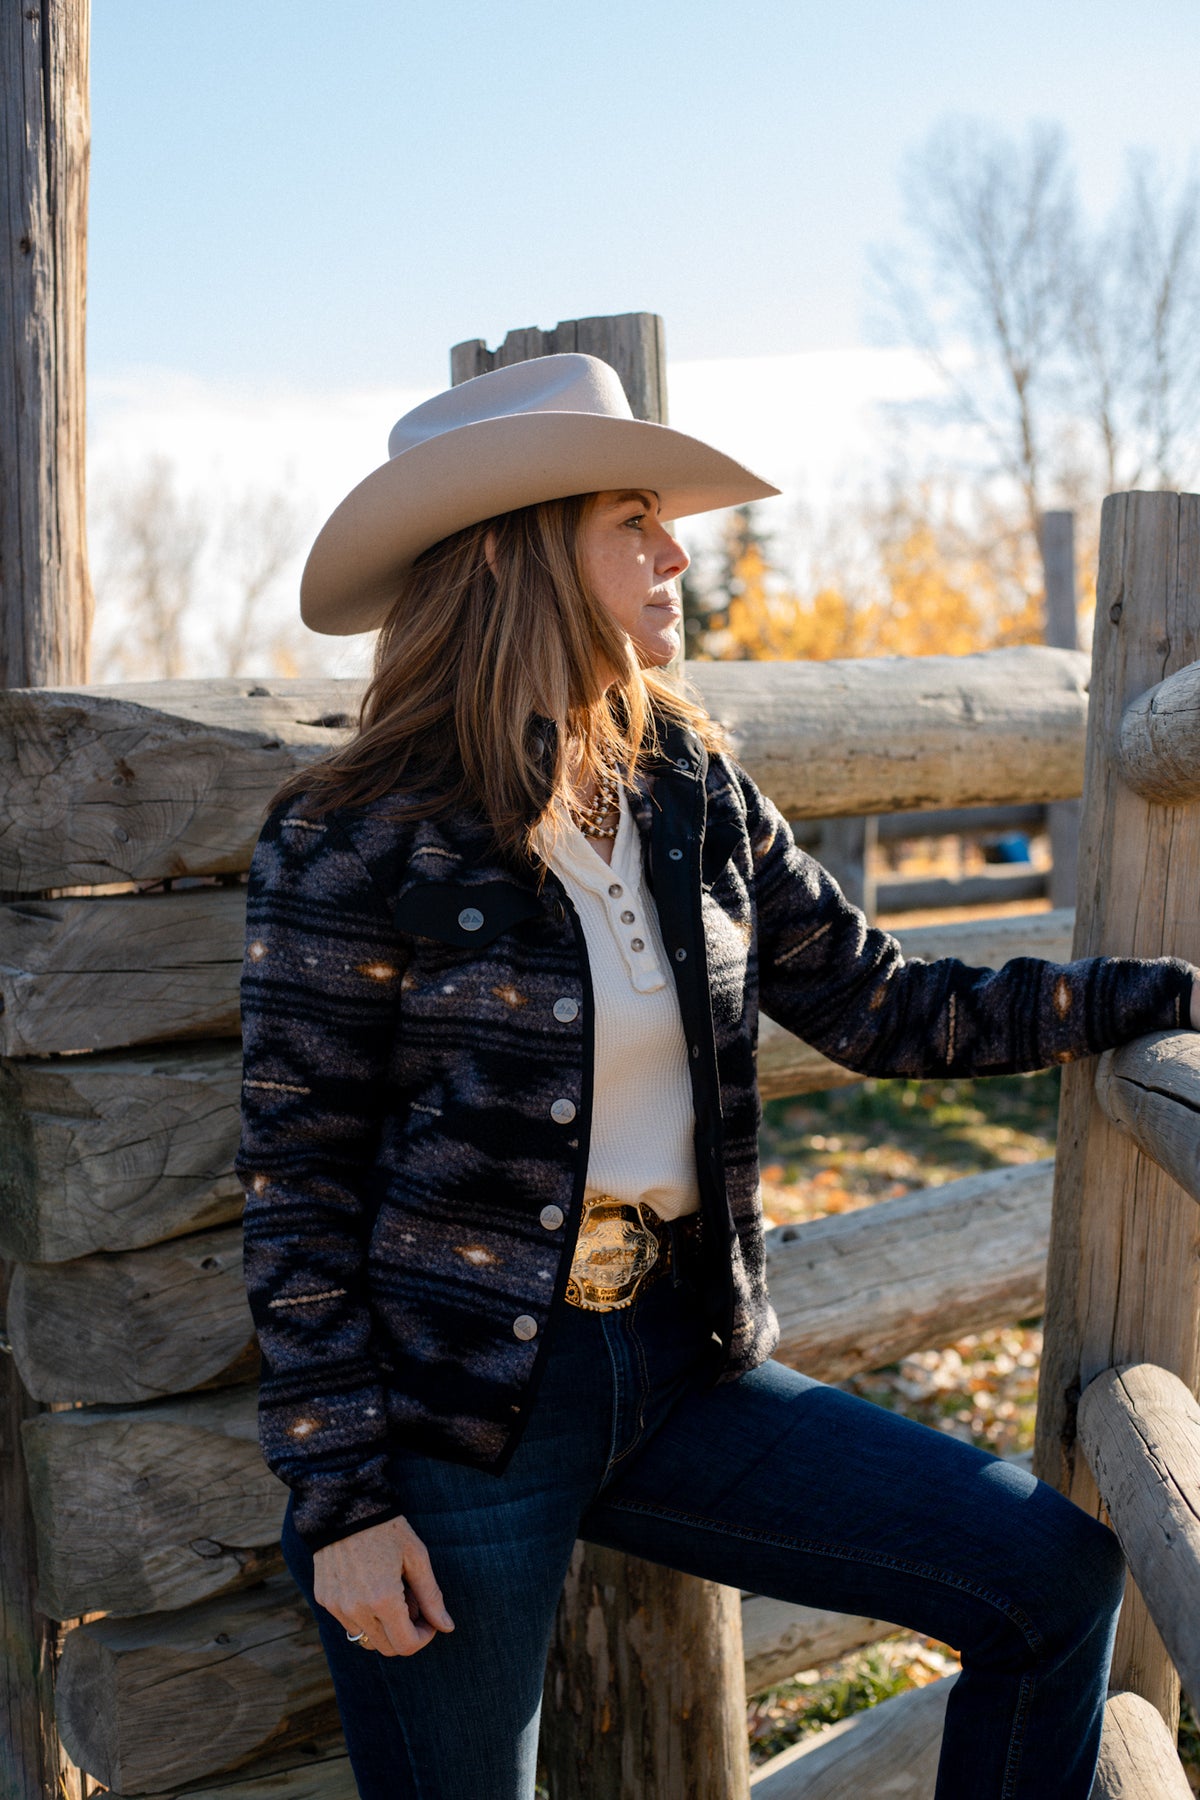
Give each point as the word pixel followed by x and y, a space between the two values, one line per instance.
pixel 623 1246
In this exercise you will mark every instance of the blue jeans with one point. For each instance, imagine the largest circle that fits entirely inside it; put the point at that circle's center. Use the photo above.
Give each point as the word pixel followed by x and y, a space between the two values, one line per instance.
pixel 773 1483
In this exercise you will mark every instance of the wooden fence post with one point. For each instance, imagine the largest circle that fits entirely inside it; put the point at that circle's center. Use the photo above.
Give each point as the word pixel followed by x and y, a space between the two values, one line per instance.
pixel 645 1685
pixel 1124 1274
pixel 1062 631
pixel 45 621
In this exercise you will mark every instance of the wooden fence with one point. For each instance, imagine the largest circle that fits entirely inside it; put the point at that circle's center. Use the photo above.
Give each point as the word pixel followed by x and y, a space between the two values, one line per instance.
pixel 127 817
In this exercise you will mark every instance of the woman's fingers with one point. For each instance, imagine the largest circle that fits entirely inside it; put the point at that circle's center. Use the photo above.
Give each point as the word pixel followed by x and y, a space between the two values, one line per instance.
pixel 418 1573
pixel 380 1581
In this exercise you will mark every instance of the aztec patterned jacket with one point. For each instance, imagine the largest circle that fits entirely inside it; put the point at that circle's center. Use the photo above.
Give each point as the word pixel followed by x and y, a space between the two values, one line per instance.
pixel 418 1027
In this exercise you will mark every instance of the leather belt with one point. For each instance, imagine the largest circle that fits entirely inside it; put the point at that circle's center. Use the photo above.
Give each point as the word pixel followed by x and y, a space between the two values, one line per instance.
pixel 623 1246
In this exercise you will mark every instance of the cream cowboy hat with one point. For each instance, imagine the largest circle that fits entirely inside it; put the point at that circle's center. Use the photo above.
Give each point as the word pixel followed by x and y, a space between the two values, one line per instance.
pixel 534 431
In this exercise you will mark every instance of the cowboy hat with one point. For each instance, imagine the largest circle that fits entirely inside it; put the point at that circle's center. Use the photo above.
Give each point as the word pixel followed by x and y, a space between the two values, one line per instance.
pixel 537 430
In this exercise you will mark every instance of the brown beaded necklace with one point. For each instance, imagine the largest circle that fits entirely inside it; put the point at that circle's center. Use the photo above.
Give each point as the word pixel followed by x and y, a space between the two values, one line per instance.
pixel 590 817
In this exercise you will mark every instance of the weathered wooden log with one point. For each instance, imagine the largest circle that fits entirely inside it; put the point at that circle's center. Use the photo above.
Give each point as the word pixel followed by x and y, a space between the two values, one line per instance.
pixel 146 780
pixel 146 1704
pixel 1138 1759
pixel 1124 1278
pixel 94 974
pixel 786 1065
pixel 779 1638
pixel 142 780
pixel 861 1289
pixel 139 1511
pixel 1139 1428
pixel 669 1665
pixel 139 1325
pixel 1158 748
pixel 829 740
pixel 1151 1089
pixel 888 1752
pixel 112 1152
pixel 316 1769
pixel 987 887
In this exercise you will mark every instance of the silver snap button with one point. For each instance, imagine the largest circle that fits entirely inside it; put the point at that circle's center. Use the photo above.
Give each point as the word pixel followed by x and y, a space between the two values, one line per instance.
pixel 562 1112
pixel 470 918
pixel 637 944
pixel 524 1327
pixel 566 1009
pixel 681 956
pixel 627 917
pixel 683 763
pixel 552 1217
pixel 538 746
pixel 616 890
pixel 675 855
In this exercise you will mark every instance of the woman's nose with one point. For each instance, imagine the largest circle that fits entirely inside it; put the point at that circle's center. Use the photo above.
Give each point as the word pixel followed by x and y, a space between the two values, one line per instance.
pixel 672 558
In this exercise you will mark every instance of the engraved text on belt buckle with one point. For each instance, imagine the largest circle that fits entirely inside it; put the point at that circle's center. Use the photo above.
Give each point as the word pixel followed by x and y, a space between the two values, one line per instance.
pixel 613 1255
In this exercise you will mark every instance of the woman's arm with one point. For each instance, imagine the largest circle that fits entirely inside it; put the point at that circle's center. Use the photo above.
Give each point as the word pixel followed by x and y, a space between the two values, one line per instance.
pixel 320 986
pixel 846 988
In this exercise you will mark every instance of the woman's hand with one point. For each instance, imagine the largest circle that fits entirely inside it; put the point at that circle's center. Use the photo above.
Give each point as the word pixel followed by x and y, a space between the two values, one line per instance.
pixel 380 1581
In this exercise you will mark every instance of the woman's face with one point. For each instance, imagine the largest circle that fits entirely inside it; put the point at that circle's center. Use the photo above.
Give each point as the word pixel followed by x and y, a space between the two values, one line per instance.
pixel 631 562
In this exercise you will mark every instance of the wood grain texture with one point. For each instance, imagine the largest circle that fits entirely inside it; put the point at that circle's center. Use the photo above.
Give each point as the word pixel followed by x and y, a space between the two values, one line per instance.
pixel 1151 1089
pixel 1138 1759
pixel 164 779
pixel 860 1289
pixel 97 974
pixel 313 1769
pixel 1124 1270
pixel 1158 745
pixel 890 734
pixel 139 1325
pixel 45 591
pixel 633 344
pixel 1139 1428
pixel 137 781
pixel 654 1650
pixel 889 1752
pixel 142 1510
pixel 113 1152
pixel 144 1704
pixel 779 1638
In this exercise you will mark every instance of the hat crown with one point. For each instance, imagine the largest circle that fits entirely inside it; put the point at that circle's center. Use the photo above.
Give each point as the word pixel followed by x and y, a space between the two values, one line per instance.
pixel 568 383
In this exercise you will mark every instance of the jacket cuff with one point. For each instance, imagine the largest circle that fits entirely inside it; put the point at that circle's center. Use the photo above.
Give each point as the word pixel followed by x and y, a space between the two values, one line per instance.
pixel 330 1533
pixel 1137 997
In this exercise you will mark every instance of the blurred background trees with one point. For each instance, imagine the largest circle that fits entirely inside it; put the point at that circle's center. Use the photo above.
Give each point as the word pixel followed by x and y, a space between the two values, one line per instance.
pixel 1068 361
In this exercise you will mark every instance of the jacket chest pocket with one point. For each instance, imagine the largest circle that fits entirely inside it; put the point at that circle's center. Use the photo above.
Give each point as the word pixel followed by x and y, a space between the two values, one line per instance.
pixel 721 838
pixel 472 927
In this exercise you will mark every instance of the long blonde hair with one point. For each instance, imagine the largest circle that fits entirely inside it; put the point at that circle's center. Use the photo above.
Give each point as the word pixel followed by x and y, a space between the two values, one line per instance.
pixel 486 669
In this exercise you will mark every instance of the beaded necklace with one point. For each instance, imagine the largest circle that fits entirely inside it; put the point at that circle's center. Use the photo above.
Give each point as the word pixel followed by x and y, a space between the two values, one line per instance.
pixel 590 817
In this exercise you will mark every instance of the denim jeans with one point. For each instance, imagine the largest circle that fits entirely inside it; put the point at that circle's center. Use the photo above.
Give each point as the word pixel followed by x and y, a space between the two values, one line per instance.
pixel 774 1483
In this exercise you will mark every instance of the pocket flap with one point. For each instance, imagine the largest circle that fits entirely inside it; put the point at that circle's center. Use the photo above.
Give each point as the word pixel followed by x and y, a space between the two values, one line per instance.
pixel 721 839
pixel 466 916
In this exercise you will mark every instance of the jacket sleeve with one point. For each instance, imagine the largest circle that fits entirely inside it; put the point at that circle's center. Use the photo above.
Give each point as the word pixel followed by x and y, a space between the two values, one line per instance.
pixel 320 984
pixel 846 988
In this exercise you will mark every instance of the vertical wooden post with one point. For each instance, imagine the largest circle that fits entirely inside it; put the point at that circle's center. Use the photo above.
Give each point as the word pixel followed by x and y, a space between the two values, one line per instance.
pixel 1062 631
pixel 45 622
pixel 645 1694
pixel 1124 1270
pixel 846 849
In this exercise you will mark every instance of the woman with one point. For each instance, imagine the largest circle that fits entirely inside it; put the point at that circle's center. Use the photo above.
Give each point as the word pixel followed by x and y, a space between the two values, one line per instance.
pixel 503 1241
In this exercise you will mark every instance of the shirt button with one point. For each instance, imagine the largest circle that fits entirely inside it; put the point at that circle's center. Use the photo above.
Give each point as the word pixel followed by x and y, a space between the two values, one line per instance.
pixel 627 917
pixel 552 1217
pixel 616 890
pixel 675 855
pixel 524 1327
pixel 562 1112
pixel 566 1009
pixel 637 944
pixel 470 918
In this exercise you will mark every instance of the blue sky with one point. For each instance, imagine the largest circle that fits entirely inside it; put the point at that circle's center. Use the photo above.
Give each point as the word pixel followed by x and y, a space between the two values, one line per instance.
pixel 328 195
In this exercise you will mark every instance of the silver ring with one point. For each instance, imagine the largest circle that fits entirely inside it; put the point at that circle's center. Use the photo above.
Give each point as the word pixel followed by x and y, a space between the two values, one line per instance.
pixel 355 1637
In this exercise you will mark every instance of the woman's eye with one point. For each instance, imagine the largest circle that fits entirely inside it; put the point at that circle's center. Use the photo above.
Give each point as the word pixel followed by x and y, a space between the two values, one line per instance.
pixel 638 520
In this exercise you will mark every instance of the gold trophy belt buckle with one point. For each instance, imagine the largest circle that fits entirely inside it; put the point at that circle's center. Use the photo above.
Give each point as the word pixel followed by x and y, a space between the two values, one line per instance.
pixel 615 1252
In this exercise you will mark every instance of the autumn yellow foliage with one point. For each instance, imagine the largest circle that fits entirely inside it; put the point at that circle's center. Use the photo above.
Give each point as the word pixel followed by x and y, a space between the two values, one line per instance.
pixel 929 605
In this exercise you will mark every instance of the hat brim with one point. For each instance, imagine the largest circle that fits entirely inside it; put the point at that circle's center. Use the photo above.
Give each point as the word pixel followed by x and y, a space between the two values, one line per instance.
pixel 489 467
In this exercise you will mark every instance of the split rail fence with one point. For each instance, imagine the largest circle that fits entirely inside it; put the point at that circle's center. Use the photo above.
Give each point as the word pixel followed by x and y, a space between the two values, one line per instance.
pixel 127 818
